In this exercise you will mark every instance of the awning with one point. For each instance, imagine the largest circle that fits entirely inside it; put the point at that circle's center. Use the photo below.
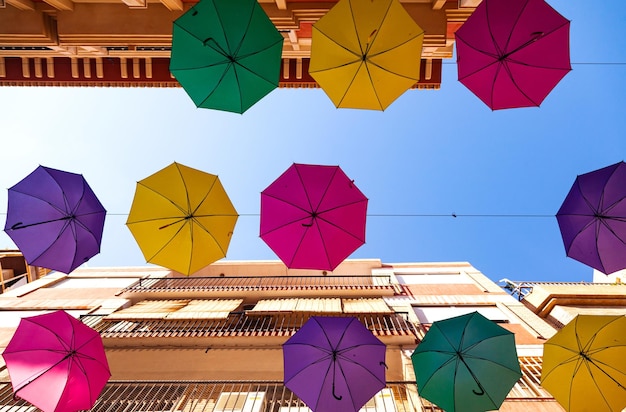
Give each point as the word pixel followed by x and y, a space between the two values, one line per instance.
pixel 177 309
pixel 314 305
pixel 373 305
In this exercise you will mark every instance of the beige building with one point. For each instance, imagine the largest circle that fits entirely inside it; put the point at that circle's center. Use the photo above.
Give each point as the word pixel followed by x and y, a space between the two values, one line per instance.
pixel 212 342
pixel 559 302
pixel 127 43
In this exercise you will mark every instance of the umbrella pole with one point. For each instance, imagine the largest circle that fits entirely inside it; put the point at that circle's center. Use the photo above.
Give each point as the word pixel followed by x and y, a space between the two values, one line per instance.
pixel 334 372
pixel 21 225
pixel 481 391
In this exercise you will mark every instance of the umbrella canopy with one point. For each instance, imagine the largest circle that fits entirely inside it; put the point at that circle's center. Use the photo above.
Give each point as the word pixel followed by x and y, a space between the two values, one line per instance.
pixel 592 219
pixel 584 364
pixel 55 219
pixel 365 54
pixel 182 218
pixel 226 54
pixel 334 364
pixel 466 363
pixel 56 363
pixel 313 217
pixel 512 53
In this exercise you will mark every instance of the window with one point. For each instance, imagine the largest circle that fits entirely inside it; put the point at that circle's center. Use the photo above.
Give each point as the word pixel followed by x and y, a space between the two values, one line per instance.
pixel 93 283
pixel 240 402
pixel 433 279
pixel 430 314
pixel 11 318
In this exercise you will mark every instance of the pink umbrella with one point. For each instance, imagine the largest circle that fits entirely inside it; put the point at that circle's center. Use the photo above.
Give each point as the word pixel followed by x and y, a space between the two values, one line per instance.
pixel 313 217
pixel 512 53
pixel 56 363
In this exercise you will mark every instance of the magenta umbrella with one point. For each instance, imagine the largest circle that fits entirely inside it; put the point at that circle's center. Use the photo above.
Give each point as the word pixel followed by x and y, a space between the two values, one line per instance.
pixel 56 362
pixel 512 53
pixel 313 217
pixel 592 219
pixel 334 364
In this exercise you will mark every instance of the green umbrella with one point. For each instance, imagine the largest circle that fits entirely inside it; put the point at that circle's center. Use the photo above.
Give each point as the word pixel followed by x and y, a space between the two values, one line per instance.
pixel 226 54
pixel 466 364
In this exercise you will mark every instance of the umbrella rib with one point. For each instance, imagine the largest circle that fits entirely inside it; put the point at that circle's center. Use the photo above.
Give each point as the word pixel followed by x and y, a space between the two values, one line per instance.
pixel 509 72
pixel 66 350
pixel 536 38
pixel 440 367
pixel 60 210
pixel 183 211
pixel 321 217
pixel 517 19
pixel 167 243
pixel 52 243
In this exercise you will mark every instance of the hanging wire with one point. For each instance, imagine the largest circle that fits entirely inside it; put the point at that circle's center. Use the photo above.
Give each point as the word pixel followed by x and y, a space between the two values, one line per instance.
pixel 453 215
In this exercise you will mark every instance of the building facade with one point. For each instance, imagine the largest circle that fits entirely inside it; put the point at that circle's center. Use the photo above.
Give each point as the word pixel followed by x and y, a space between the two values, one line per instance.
pixel 127 43
pixel 213 342
pixel 15 271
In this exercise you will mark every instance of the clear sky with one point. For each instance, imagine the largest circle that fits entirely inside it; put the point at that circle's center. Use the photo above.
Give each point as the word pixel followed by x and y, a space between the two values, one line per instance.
pixel 432 152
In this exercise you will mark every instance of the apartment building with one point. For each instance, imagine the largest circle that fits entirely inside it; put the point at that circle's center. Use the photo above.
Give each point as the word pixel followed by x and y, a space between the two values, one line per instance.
pixel 127 43
pixel 213 341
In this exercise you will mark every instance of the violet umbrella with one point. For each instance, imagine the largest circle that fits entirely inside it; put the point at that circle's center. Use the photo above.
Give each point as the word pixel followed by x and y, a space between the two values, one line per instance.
pixel 55 219
pixel 334 364
pixel 56 362
pixel 512 53
pixel 313 216
pixel 592 219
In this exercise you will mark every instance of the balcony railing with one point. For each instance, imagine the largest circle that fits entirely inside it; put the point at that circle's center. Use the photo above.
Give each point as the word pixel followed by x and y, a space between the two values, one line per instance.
pixel 240 324
pixel 213 396
pixel 268 396
pixel 261 283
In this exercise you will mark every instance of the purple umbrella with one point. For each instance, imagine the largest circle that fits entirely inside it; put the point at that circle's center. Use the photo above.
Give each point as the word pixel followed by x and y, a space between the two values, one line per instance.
pixel 512 53
pixel 334 364
pixel 55 219
pixel 313 217
pixel 592 219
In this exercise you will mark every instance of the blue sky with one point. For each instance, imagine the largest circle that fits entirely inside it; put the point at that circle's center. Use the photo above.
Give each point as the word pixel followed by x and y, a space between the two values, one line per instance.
pixel 432 152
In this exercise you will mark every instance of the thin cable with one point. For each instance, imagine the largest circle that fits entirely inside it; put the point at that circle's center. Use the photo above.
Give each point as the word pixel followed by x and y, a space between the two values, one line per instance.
pixel 572 63
pixel 406 215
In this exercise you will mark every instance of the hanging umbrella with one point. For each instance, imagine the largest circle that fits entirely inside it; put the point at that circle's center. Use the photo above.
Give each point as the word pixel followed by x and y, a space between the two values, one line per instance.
pixel 55 219
pixel 182 218
pixel 365 54
pixel 466 363
pixel 512 53
pixel 584 364
pixel 226 54
pixel 56 363
pixel 592 219
pixel 313 217
pixel 334 364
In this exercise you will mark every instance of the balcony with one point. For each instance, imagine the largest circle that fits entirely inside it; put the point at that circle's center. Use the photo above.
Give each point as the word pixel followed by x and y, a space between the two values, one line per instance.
pixel 216 396
pixel 272 396
pixel 241 324
pixel 274 286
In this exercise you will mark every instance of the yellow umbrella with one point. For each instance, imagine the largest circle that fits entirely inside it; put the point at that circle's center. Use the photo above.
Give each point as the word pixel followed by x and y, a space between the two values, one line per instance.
pixel 584 364
pixel 366 53
pixel 182 218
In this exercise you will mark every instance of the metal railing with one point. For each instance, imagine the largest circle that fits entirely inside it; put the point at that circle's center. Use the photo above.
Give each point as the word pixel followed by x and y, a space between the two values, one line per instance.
pixel 214 396
pixel 248 283
pixel 240 324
